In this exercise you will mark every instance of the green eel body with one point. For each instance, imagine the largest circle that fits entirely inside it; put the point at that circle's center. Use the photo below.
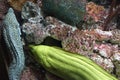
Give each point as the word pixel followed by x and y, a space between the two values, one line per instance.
pixel 67 65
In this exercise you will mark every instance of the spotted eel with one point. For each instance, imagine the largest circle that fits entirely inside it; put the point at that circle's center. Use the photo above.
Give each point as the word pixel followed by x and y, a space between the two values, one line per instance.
pixel 11 33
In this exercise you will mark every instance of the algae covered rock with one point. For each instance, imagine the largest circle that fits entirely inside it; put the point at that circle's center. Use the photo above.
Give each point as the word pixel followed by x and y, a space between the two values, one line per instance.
pixel 31 12
pixel 70 11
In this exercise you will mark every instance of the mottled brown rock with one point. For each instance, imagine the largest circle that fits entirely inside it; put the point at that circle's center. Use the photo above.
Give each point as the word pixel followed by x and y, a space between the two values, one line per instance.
pixel 3 9
pixel 17 4
pixel 94 11
pixel 89 44
pixel 34 33
pixel 50 76
pixel 58 30
pixel 3 6
pixel 32 73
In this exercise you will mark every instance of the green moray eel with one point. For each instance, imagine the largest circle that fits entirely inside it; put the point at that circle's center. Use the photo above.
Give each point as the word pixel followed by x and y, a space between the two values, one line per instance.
pixel 11 33
pixel 67 65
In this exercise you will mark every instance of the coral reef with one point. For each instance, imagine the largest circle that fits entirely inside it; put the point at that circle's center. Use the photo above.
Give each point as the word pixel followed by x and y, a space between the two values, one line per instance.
pixel 90 43
pixel 103 47
pixel 105 18
pixel 95 11
pixel 93 44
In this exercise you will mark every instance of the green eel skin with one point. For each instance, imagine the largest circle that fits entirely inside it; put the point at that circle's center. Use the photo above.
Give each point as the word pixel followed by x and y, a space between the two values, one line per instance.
pixel 67 65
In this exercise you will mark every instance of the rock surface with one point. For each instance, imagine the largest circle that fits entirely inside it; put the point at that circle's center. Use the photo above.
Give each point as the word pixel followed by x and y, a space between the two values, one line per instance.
pixel 69 11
